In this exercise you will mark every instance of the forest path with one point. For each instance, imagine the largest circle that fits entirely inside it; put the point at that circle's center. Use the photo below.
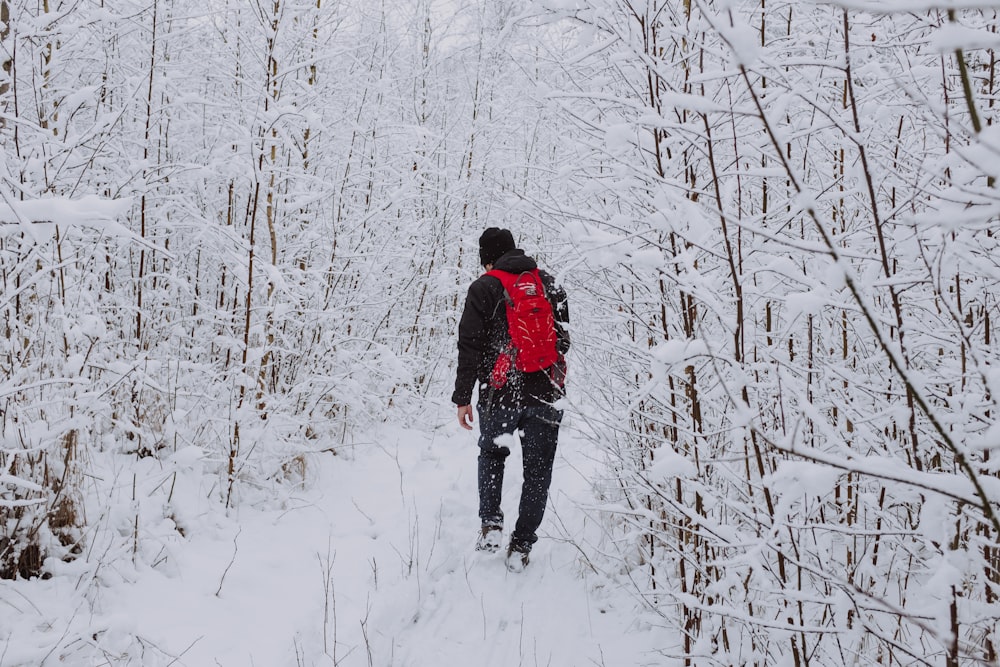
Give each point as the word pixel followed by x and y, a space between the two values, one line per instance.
pixel 431 600
pixel 370 564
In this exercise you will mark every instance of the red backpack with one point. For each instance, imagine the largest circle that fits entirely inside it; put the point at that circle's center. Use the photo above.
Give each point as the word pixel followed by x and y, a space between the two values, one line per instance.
pixel 531 325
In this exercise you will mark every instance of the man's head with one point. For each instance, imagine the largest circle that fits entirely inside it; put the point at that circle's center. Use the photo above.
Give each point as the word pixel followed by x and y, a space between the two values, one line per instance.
pixel 493 243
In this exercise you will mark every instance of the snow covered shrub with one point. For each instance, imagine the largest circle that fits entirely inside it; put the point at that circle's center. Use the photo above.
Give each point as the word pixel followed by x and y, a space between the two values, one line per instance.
pixel 793 241
pixel 40 505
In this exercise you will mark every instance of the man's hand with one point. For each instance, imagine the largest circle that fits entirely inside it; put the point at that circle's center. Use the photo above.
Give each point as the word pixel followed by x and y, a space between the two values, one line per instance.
pixel 465 417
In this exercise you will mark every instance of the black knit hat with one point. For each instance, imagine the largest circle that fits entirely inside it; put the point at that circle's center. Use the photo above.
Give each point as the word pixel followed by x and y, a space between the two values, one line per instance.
pixel 493 243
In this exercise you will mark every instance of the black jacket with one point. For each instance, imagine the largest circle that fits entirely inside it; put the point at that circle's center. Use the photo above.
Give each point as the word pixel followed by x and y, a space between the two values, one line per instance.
pixel 483 334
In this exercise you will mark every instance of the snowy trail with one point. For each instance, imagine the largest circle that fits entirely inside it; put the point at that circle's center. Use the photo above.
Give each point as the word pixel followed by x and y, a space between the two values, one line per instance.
pixel 459 607
pixel 372 564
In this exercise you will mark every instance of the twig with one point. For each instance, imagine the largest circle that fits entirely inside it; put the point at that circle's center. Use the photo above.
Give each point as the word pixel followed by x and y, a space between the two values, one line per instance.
pixel 231 561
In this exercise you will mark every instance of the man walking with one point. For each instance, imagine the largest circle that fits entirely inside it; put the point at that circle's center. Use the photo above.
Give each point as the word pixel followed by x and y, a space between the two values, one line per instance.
pixel 518 381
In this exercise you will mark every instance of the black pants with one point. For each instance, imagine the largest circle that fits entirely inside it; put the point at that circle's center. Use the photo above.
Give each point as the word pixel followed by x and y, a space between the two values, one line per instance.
pixel 539 431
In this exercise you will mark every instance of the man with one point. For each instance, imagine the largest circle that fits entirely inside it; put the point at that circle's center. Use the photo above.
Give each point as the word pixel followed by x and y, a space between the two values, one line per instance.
pixel 509 399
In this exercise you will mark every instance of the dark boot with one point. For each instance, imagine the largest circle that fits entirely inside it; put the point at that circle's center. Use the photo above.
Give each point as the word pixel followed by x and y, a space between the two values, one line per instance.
pixel 517 556
pixel 490 538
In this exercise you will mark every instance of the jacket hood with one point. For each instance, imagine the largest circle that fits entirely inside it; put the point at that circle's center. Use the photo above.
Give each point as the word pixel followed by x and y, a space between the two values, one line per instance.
pixel 515 261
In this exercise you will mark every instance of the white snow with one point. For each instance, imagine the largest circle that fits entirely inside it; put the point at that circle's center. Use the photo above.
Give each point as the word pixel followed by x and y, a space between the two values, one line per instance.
pixel 371 564
pixel 696 103
pixel 67 211
pixel 951 37
pixel 669 465
pixel 676 351
pixel 804 478
pixel 804 303
pixel 619 138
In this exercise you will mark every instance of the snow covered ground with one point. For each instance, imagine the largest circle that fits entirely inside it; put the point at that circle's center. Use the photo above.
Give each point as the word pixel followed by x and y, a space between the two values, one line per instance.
pixel 370 564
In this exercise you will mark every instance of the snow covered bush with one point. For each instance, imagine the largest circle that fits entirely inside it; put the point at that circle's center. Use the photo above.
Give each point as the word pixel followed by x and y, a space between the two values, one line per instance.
pixel 788 213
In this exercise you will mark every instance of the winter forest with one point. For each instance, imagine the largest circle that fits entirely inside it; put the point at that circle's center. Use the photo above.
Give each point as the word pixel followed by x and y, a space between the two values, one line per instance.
pixel 235 241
